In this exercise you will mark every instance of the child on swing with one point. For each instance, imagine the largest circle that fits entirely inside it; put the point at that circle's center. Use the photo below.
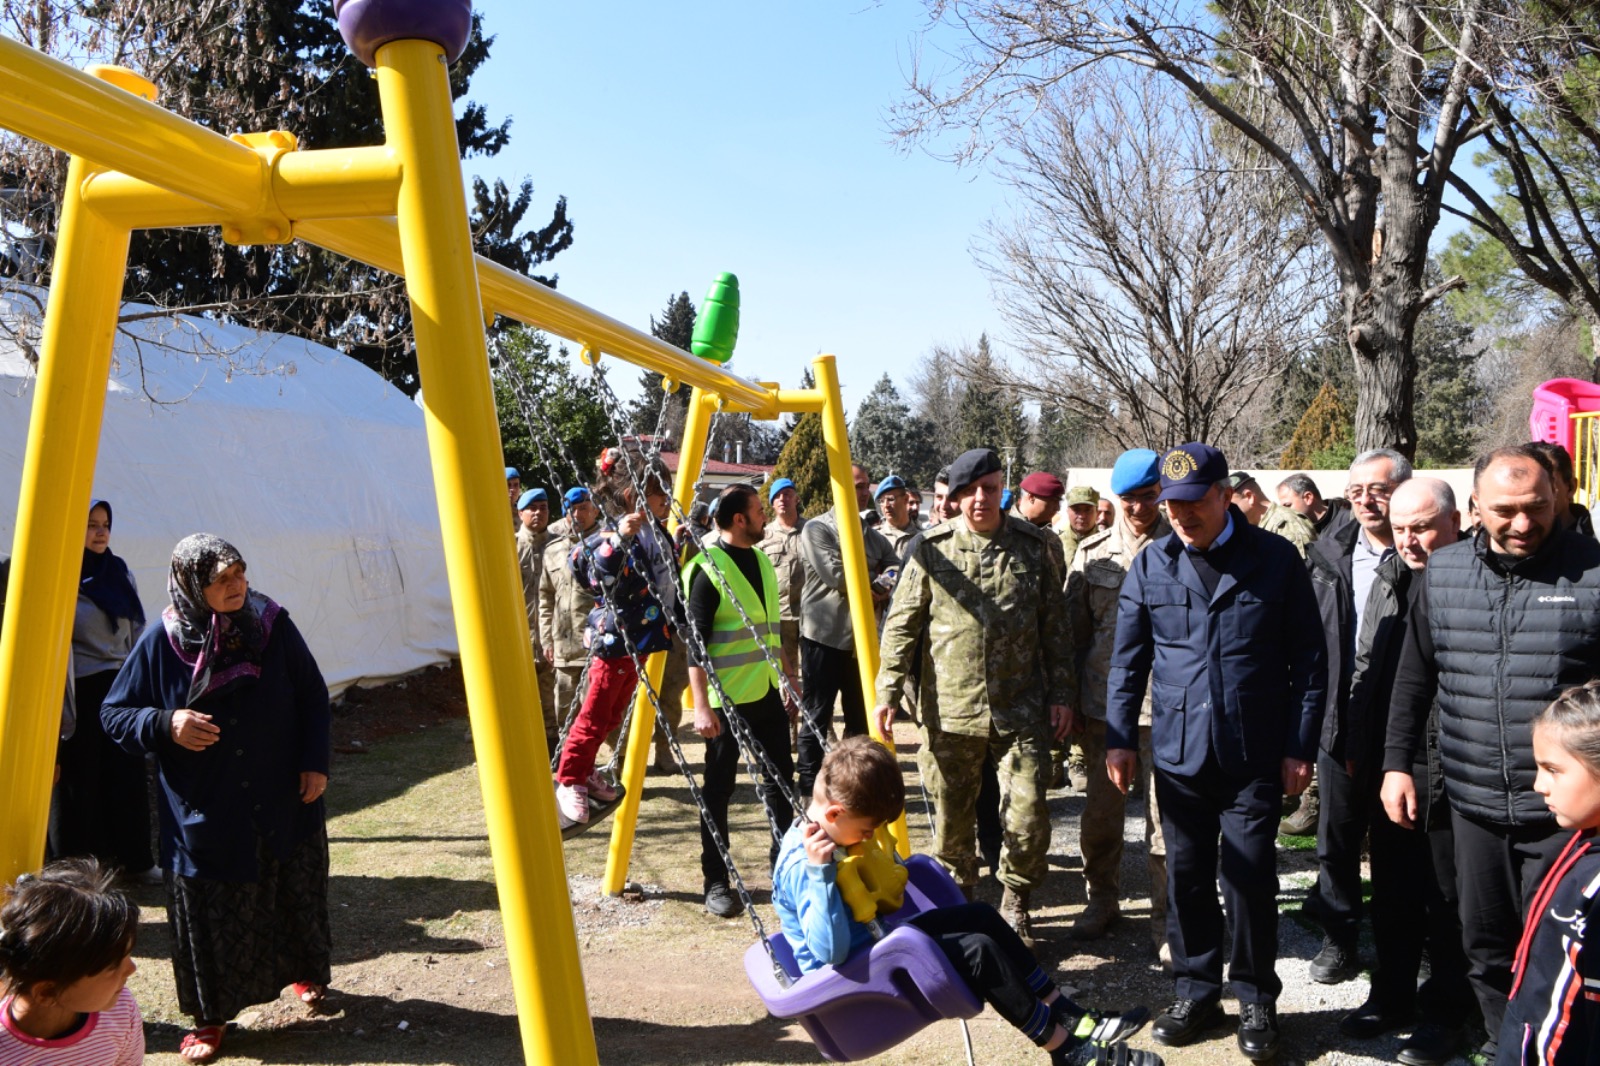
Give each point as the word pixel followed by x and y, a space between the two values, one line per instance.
pixel 66 953
pixel 859 789
pixel 1553 1018
pixel 622 568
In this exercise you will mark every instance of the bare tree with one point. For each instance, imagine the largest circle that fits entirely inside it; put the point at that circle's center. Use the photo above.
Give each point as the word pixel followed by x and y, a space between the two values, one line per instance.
pixel 1157 276
pixel 1363 107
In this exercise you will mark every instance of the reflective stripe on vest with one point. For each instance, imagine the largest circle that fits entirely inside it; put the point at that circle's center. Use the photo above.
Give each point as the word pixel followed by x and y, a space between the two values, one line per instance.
pixel 734 650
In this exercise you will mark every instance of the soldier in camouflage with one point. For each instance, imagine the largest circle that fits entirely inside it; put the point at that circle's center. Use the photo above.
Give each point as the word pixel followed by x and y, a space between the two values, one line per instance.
pixel 1093 586
pixel 1269 515
pixel 1082 501
pixel 563 606
pixel 533 534
pixel 982 622
pixel 893 500
pixel 781 544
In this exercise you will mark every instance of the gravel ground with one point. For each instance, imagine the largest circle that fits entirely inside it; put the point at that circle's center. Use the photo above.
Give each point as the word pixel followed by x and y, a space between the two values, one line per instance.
pixel 1121 968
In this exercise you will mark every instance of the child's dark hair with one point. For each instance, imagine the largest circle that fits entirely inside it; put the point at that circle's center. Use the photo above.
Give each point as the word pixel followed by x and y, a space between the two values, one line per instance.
pixel 65 923
pixel 1576 714
pixel 863 777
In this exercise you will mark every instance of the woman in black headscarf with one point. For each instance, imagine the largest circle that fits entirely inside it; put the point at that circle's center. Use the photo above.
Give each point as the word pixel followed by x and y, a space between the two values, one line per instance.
pixel 227 695
pixel 100 806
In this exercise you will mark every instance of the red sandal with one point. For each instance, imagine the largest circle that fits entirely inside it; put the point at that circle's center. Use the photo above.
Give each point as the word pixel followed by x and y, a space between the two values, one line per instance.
pixel 208 1037
pixel 310 994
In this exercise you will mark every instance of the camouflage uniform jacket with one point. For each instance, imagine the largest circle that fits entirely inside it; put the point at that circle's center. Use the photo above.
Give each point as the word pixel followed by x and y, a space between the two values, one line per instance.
pixel 982 622
pixel 782 546
pixel 1094 581
pixel 563 606
pixel 1069 543
pixel 899 538
pixel 1291 525
pixel 530 560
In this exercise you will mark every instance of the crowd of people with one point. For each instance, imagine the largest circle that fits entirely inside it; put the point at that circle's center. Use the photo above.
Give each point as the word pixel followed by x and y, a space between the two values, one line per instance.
pixel 1422 686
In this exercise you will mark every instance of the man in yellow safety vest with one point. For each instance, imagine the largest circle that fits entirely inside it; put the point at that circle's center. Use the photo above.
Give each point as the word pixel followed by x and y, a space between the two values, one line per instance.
pixel 741 656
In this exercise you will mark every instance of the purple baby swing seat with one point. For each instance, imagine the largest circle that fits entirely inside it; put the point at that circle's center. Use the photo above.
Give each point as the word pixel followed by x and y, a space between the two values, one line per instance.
pixel 883 993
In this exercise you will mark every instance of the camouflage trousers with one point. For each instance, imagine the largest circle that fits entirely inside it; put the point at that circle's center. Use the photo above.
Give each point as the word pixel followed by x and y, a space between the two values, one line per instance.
pixel 1101 829
pixel 565 685
pixel 545 674
pixel 952 770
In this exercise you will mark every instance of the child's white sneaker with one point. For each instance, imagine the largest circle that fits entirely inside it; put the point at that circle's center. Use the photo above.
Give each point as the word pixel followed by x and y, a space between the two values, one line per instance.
pixel 572 804
pixel 601 790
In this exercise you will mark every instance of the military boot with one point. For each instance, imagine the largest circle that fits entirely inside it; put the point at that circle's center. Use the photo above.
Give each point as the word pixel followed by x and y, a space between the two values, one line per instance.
pixel 1014 909
pixel 1303 822
pixel 1078 768
pixel 1101 914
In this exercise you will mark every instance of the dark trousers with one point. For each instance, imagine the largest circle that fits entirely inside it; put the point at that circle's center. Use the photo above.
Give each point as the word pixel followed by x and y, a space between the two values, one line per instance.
pixel 769 724
pixel 994 963
pixel 1206 817
pixel 1498 869
pixel 1414 909
pixel 101 806
pixel 991 829
pixel 830 674
pixel 1342 821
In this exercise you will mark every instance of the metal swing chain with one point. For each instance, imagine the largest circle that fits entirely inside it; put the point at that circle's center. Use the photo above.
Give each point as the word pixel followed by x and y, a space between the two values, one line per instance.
pixel 741 728
pixel 727 590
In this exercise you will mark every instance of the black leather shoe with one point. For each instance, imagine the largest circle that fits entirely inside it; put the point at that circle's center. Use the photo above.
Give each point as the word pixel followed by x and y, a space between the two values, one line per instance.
pixel 1258 1031
pixel 1432 1044
pixel 1336 963
pixel 721 901
pixel 1371 1020
pixel 1184 1021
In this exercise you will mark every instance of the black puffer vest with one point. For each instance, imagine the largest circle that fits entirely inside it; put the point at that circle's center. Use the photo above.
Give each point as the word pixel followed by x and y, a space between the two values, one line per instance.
pixel 1506 642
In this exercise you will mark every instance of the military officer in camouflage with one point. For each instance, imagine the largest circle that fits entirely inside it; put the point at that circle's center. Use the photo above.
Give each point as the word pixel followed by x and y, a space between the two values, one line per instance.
pixel 981 621
pixel 1039 503
pixel 1082 501
pixel 1094 583
pixel 1269 515
pixel 893 500
pixel 782 545
pixel 533 510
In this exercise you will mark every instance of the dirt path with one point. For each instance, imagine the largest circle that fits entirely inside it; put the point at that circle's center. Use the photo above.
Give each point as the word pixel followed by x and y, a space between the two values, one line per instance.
pixel 420 972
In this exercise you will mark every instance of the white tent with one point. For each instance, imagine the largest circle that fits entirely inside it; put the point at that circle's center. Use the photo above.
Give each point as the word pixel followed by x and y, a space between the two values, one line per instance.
pixel 312 465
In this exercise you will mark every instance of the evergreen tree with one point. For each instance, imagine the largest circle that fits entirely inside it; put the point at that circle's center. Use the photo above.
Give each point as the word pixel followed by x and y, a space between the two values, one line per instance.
pixel 804 460
pixel 569 419
pixel 1325 432
pixel 676 327
pixel 990 415
pixel 1452 404
pixel 257 65
pixel 888 439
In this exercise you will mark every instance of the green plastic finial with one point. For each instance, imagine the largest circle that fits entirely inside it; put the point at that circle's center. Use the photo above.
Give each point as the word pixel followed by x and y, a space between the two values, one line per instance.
pixel 716 329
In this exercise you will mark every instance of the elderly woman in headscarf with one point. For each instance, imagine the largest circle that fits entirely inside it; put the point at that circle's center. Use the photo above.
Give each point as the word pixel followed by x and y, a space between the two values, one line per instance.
pixel 226 694
pixel 99 806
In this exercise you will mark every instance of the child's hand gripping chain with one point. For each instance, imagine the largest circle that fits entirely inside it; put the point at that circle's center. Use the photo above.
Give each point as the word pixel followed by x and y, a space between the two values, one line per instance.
pixel 871 883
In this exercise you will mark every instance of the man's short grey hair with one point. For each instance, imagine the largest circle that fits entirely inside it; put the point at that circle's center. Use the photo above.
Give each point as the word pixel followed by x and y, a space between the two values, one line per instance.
pixel 1399 465
pixel 1444 497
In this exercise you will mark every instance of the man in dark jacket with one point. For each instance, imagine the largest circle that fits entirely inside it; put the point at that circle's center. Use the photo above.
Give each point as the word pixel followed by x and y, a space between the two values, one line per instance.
pixel 1412 853
pixel 1343 569
pixel 1219 620
pixel 1503 623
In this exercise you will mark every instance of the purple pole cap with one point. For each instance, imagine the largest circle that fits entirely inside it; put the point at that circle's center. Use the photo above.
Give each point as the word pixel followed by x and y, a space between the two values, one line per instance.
pixel 367 25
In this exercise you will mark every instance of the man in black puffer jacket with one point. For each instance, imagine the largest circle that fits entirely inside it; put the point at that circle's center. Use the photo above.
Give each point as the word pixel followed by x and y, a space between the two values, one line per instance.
pixel 1502 624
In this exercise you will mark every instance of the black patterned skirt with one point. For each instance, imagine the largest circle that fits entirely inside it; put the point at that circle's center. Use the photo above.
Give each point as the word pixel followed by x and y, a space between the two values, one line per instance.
pixel 238 943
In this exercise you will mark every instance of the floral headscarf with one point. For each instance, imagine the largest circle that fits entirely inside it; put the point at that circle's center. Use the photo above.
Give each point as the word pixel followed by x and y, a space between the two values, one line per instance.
pixel 221 648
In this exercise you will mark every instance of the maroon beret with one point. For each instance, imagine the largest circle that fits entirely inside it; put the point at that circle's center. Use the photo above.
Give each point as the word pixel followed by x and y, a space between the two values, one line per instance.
pixel 1043 485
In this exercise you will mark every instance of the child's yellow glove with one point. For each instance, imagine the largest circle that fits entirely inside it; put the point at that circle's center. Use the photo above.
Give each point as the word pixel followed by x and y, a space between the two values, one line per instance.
pixel 870 881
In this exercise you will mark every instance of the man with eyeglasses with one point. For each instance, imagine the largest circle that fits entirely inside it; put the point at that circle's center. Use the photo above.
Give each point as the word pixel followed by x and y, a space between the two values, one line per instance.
pixel 1094 582
pixel 1503 623
pixel 1344 568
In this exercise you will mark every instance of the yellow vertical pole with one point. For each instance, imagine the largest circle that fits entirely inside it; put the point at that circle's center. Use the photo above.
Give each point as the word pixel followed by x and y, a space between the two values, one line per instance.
pixel 691 456
pixel 57 475
pixel 496 663
pixel 853 552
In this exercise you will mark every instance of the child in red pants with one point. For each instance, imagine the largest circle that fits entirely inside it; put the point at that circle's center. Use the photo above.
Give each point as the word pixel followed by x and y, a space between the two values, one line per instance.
pixel 615 566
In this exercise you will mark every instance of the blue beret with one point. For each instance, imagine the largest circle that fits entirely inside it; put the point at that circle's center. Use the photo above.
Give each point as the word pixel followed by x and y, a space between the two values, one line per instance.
pixel 777 487
pixel 511 472
pixel 888 484
pixel 1135 469
pixel 532 496
pixel 574 497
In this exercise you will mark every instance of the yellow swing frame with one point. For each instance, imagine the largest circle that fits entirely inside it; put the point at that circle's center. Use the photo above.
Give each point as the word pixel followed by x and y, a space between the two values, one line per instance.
pixel 401 207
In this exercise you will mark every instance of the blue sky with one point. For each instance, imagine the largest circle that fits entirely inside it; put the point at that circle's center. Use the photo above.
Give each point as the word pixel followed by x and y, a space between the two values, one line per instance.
pixel 691 139
pixel 695 138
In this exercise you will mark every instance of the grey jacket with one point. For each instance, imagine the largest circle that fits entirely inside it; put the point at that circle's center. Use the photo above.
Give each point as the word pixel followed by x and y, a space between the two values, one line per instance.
pixel 824 612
